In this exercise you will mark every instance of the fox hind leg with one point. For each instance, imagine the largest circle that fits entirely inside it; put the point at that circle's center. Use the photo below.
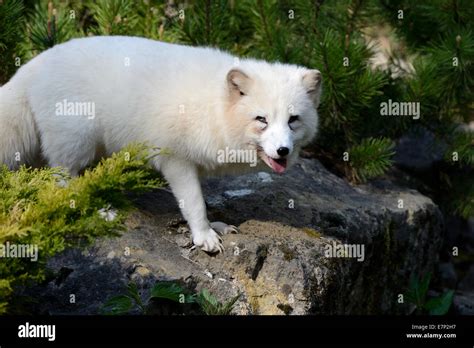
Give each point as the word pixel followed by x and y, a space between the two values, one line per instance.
pixel 71 154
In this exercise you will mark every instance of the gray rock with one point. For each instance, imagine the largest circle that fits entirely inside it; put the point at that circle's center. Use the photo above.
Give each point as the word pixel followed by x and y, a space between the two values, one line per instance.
pixel 471 229
pixel 265 177
pixel 467 283
pixel 237 193
pixel 278 261
pixel 447 274
pixel 463 303
pixel 418 150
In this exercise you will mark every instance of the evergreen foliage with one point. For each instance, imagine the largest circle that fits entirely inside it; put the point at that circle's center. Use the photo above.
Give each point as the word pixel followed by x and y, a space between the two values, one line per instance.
pixel 36 209
pixel 11 19
pixel 371 158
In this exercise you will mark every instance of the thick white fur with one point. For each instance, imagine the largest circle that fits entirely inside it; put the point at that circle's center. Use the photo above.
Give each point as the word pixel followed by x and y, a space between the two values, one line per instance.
pixel 182 98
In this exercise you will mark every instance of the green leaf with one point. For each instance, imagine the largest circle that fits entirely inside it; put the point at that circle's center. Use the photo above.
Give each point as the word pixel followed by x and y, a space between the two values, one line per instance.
pixel 229 305
pixel 211 306
pixel 418 290
pixel 171 291
pixel 132 291
pixel 118 305
pixel 440 305
pixel 411 294
pixel 424 284
pixel 207 297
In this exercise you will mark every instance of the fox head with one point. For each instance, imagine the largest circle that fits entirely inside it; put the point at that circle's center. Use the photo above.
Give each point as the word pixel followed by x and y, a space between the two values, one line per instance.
pixel 272 110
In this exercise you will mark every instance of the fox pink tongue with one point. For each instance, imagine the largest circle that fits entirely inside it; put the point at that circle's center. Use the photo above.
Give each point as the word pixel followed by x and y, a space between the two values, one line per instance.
pixel 278 166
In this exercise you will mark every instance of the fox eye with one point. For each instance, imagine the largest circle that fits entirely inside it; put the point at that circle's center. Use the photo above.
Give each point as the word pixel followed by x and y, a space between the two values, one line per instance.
pixel 261 119
pixel 293 118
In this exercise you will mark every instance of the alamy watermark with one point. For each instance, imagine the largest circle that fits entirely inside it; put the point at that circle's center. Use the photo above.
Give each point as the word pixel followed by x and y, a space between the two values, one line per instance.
pixel 237 156
pixel 69 108
pixel 28 330
pixel 394 108
pixel 336 250
pixel 26 251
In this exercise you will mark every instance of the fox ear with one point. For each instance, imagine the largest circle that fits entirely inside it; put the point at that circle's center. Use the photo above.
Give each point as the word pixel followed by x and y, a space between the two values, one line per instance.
pixel 238 83
pixel 312 82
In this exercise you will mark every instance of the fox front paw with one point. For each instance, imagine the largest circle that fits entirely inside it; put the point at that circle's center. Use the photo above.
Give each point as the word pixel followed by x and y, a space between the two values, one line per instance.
pixel 209 241
pixel 223 228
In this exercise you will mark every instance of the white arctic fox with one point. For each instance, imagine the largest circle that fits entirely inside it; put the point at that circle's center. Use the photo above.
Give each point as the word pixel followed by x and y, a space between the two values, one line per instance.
pixel 87 98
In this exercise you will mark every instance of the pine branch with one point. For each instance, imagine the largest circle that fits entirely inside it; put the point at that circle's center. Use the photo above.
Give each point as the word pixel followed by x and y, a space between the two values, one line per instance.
pixel 263 17
pixel 208 21
pixel 461 148
pixel 371 158
pixel 115 17
pixel 48 26
pixel 12 21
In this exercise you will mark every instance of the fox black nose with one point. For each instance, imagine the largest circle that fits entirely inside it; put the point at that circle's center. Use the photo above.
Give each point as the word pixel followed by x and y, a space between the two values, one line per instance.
pixel 283 151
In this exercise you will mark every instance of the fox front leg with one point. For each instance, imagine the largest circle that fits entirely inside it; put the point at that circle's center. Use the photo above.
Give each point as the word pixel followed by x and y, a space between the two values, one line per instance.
pixel 183 179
